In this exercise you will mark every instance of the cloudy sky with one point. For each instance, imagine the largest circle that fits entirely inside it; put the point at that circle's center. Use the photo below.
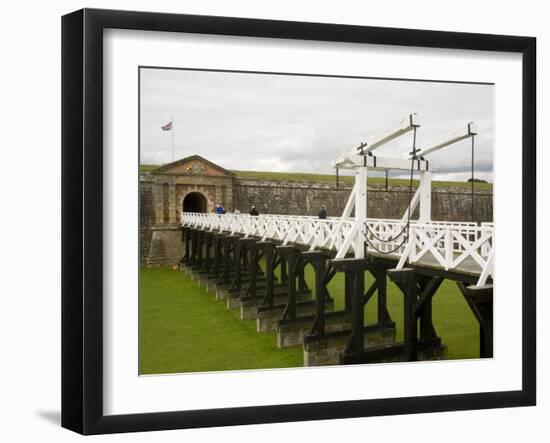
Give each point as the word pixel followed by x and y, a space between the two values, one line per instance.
pixel 267 122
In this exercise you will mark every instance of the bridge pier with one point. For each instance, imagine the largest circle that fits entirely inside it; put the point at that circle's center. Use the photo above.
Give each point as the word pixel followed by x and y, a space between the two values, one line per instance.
pixel 199 250
pixel 228 256
pixel 261 287
pixel 241 282
pixel 292 296
pixel 258 280
pixel 418 292
pixel 296 316
pixel 291 330
pixel 208 242
pixel 217 262
pixel 193 248
pixel 480 301
pixel 346 334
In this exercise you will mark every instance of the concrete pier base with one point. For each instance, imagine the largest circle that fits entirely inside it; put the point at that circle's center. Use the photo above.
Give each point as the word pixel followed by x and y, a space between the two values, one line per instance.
pixel 249 306
pixel 292 332
pixel 327 350
pixel 221 291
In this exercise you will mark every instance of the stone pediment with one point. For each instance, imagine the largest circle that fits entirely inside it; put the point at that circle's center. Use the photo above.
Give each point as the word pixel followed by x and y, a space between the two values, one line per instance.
pixel 193 165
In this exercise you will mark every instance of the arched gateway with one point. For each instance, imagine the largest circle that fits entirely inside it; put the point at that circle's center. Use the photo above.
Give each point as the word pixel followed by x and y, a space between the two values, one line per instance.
pixel 194 202
pixel 192 184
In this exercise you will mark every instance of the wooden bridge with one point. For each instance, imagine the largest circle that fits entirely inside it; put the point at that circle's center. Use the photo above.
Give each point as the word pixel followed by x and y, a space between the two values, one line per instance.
pixel 257 264
pixel 239 256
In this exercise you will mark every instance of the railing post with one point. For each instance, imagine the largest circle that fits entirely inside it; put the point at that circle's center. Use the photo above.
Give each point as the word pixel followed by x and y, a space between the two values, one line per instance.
pixel 449 249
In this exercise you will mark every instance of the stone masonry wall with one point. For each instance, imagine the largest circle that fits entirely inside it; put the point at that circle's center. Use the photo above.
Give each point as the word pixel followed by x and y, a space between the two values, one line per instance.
pixel 146 217
pixel 448 204
pixel 166 248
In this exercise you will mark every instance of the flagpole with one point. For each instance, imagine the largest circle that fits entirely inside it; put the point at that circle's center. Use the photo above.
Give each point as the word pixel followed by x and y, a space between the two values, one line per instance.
pixel 173 129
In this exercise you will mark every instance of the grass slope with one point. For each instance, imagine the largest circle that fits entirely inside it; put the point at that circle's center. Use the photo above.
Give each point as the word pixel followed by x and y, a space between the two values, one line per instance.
pixel 327 178
pixel 184 329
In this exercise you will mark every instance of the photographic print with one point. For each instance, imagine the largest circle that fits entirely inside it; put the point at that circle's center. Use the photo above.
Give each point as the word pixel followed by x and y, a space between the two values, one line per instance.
pixel 289 221
pixel 312 209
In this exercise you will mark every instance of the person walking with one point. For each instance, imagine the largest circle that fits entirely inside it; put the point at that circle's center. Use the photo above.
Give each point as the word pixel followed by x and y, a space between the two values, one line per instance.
pixel 220 209
pixel 254 211
pixel 322 213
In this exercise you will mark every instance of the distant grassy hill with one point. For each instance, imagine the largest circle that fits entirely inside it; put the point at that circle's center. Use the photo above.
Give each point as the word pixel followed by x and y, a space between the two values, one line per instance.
pixel 348 180
pixel 147 168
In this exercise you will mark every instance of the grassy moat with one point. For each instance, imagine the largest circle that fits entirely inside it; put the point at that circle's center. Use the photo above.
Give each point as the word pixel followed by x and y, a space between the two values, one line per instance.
pixel 182 328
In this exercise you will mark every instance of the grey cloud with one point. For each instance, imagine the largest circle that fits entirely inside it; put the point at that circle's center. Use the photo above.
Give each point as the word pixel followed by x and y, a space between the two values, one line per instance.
pixel 296 123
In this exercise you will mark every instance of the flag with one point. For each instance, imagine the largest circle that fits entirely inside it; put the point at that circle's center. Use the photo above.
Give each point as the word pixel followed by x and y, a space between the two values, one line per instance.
pixel 167 126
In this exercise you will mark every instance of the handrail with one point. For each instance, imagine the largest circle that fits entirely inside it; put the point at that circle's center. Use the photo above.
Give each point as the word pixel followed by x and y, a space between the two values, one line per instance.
pixel 448 245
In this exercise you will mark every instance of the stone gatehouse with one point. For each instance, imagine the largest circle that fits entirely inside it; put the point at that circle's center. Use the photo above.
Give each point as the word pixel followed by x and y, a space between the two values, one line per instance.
pixel 195 184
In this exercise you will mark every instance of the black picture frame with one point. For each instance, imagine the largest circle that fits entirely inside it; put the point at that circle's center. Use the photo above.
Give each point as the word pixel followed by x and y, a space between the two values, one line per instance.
pixel 82 217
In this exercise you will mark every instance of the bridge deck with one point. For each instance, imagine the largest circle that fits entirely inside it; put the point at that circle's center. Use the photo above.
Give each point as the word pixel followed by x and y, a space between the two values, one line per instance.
pixel 454 247
pixel 468 267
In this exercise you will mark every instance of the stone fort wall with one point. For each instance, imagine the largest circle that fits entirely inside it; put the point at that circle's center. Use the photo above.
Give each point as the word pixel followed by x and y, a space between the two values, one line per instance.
pixel 294 198
pixel 160 242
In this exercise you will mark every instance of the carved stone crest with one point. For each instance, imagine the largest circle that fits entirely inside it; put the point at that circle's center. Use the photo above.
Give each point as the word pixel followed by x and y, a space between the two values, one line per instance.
pixel 196 167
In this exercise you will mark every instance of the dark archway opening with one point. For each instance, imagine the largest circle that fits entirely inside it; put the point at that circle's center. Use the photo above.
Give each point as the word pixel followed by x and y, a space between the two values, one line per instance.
pixel 194 202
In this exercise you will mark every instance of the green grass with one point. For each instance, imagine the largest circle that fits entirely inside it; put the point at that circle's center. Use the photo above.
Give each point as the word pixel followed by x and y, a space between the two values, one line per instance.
pixel 327 178
pixel 348 180
pixel 184 329
pixel 147 168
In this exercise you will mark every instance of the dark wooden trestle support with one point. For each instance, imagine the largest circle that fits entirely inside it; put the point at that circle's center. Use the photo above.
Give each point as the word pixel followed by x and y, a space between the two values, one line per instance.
pixel 240 272
pixel 194 248
pixel 208 242
pixel 255 282
pixel 296 323
pixel 291 255
pixel 318 261
pixel 342 336
pixel 261 289
pixel 480 300
pixel 418 291
pixel 217 263
pixel 228 249
pixel 269 258
pixel 354 271
pixel 199 249
pixel 243 271
pixel 186 238
pixel 228 269
pixel 289 295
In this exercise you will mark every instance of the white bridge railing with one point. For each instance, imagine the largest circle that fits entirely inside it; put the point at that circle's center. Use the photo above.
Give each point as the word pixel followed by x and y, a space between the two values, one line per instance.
pixel 460 246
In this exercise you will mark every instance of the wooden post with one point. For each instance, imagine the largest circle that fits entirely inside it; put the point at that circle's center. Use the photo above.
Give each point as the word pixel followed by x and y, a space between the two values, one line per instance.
pixel 253 268
pixel 383 314
pixel 480 301
pixel 207 249
pixel 290 256
pixel 227 246
pixel 318 262
pixel 269 255
pixel 405 280
pixel 187 245
pixel 355 273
